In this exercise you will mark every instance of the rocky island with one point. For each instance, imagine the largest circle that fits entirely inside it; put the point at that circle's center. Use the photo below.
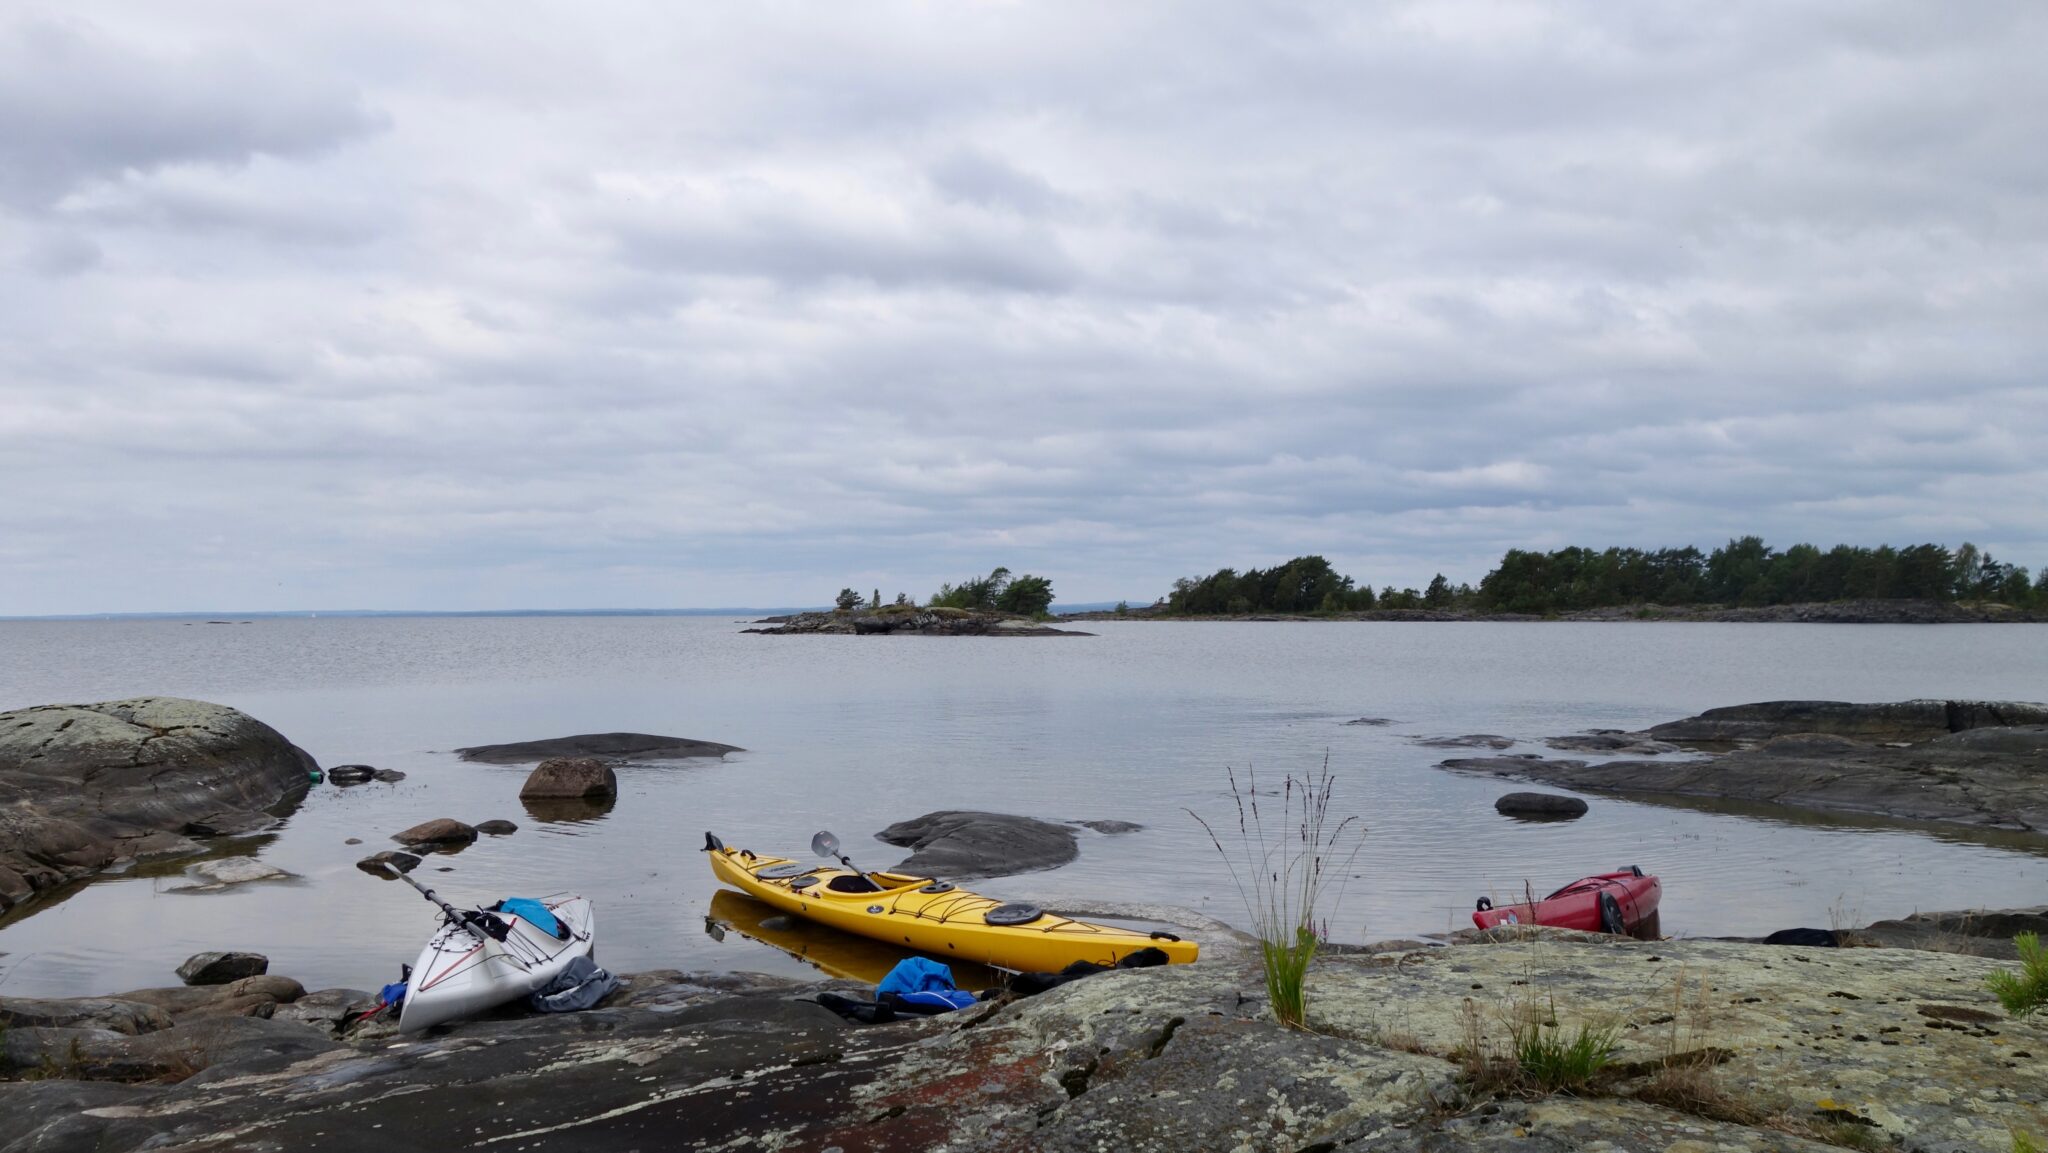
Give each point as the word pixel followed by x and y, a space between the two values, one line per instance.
pixel 912 620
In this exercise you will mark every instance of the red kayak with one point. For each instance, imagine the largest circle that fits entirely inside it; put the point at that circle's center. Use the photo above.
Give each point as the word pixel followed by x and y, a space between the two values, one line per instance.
pixel 1603 903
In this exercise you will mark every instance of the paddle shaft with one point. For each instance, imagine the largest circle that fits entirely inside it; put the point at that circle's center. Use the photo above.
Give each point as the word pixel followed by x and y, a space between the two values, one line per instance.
pixel 453 913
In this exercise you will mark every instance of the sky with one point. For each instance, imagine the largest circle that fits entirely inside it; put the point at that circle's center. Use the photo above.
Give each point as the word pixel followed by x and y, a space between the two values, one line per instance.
pixel 401 306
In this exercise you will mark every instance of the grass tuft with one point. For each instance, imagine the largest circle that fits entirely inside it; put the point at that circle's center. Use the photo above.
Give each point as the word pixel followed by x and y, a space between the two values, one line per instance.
pixel 1284 874
pixel 2027 990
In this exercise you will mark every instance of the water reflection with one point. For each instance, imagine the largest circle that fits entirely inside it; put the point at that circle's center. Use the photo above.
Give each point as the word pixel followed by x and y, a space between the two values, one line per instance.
pixel 826 949
pixel 569 810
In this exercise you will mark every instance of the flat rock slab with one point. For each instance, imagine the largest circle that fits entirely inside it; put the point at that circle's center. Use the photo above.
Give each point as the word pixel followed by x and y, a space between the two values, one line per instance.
pixel 965 844
pixel 609 746
pixel 114 1014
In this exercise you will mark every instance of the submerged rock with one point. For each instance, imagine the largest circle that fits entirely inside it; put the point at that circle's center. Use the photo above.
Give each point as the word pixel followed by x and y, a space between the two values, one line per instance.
pixel 612 746
pixel 351 774
pixel 215 875
pixel 570 778
pixel 497 828
pixel 961 845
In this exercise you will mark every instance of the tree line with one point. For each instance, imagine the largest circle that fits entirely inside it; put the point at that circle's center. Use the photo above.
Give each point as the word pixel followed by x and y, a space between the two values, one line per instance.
pixel 999 591
pixel 1743 573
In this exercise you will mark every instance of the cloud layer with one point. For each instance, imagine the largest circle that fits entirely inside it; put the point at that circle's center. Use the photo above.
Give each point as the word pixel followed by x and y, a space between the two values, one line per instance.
pixel 626 305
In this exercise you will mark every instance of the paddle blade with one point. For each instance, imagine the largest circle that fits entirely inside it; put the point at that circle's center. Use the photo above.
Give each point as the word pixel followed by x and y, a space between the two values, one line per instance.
pixel 825 844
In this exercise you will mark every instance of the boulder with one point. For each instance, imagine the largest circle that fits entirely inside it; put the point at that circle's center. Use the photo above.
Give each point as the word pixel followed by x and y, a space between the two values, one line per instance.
pixel 81 784
pixel 390 776
pixel 614 746
pixel 497 828
pixel 351 774
pixel 959 845
pixel 565 778
pixel 375 862
pixel 1540 806
pixel 221 968
pixel 327 1009
pixel 440 831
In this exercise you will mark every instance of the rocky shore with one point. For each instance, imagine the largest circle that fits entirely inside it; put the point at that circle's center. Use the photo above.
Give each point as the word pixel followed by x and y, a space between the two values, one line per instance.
pixel 1721 1045
pixel 1982 763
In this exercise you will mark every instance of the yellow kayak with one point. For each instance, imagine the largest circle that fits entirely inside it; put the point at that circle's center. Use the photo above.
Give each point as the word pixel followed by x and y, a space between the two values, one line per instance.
pixel 936 918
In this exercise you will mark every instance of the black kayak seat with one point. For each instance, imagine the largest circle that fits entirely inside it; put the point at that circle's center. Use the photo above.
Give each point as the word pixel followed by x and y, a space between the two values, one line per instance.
pixel 852 883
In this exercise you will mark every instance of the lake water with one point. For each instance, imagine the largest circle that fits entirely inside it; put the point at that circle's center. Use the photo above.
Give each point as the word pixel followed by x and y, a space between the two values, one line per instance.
pixel 852 733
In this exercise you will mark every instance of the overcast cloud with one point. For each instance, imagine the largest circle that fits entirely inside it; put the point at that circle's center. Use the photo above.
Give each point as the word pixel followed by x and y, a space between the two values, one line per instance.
pixel 610 304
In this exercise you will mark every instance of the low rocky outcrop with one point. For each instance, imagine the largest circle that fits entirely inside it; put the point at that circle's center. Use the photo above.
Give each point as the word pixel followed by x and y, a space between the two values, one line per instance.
pixel 1468 741
pixel 1961 762
pixel 1977 933
pixel 570 778
pixel 1540 806
pixel 1613 742
pixel 221 968
pixel 911 620
pixel 959 845
pixel 351 774
pixel 1787 1048
pixel 85 786
pixel 1901 721
pixel 604 746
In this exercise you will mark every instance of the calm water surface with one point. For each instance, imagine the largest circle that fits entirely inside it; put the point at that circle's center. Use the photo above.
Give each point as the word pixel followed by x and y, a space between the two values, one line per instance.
pixel 1135 724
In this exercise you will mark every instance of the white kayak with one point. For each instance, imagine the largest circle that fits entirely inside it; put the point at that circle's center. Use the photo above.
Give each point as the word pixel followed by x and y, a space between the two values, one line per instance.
pixel 464 971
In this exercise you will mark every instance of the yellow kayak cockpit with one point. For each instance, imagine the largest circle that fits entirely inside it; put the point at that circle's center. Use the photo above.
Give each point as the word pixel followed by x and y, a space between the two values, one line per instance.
pixel 932 916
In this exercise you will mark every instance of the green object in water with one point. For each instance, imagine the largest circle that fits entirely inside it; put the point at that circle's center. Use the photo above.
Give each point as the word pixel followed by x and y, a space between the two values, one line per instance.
pixel 317 776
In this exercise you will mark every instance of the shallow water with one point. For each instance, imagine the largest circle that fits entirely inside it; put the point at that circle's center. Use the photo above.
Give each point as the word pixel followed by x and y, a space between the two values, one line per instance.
pixel 1137 723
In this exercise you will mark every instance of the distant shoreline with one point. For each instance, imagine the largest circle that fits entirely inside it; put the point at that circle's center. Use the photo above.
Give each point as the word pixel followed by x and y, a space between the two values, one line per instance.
pixel 1899 612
